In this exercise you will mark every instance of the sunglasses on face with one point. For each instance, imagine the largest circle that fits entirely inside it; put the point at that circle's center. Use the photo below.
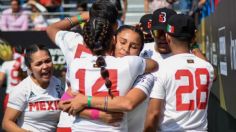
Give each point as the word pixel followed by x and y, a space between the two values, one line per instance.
pixel 158 33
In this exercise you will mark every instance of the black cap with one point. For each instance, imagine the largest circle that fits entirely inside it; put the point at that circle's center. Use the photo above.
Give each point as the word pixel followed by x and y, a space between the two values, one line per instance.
pixel 160 18
pixel 181 25
pixel 146 22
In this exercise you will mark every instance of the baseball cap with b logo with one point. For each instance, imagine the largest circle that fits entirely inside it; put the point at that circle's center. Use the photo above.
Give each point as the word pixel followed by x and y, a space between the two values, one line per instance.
pixel 181 25
pixel 160 18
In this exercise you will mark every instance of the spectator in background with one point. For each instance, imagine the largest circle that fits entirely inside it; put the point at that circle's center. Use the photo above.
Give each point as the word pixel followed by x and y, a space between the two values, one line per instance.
pixel 121 11
pixel 37 19
pixel 183 6
pixel 14 18
pixel 53 6
pixel 196 10
pixel 152 5
pixel 81 5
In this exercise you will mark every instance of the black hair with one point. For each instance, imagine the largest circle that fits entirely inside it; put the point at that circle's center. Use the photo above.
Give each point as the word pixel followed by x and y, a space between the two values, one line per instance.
pixel 184 39
pixel 32 49
pixel 18 1
pixel 104 9
pixel 82 4
pixel 98 35
pixel 19 49
pixel 135 29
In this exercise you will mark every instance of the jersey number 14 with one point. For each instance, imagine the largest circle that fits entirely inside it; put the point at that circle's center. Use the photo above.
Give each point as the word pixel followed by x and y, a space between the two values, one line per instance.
pixel 98 83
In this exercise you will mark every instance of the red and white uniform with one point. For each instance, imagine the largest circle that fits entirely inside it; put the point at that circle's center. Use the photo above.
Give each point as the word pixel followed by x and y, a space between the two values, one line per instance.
pixel 183 82
pixel 137 116
pixel 39 106
pixel 86 79
pixel 71 45
pixel 10 69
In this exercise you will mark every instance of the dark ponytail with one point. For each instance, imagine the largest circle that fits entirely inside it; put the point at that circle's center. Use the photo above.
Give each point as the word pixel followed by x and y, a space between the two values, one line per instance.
pixel 100 62
pixel 98 35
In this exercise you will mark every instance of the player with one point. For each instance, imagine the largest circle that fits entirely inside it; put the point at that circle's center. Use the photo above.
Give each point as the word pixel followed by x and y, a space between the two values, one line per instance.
pixel 129 41
pixel 146 24
pixel 34 105
pixel 105 74
pixel 180 94
pixel 72 44
pixel 159 49
pixel 12 72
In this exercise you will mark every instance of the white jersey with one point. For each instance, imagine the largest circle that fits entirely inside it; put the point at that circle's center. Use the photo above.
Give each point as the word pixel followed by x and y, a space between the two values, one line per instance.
pixel 149 51
pixel 86 79
pixel 183 82
pixel 71 45
pixel 10 69
pixel 39 106
pixel 137 116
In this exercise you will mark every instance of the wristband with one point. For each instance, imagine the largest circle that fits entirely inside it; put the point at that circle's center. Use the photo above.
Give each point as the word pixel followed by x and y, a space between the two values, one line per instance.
pixel 89 101
pixel 66 96
pixel 80 19
pixel 94 114
pixel 71 23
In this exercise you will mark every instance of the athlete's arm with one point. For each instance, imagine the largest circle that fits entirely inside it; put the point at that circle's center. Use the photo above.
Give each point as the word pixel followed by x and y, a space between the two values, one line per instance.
pixel 141 89
pixel 106 117
pixel 2 78
pixel 116 104
pixel 125 5
pixel 153 115
pixel 64 25
pixel 9 120
pixel 146 6
pixel 151 66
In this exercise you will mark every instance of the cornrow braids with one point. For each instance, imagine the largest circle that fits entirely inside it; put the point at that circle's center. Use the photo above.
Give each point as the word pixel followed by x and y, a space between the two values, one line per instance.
pixel 100 62
pixel 97 34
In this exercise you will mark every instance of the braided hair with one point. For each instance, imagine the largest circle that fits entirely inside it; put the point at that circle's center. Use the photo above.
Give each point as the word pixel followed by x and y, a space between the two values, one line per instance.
pixel 98 35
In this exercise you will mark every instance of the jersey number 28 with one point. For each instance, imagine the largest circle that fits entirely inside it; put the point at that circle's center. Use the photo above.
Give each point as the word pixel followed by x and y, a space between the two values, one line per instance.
pixel 188 89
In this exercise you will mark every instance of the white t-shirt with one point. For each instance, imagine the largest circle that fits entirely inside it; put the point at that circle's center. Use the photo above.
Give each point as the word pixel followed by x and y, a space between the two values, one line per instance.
pixel 86 79
pixel 183 82
pixel 11 74
pixel 136 117
pixel 157 4
pixel 71 45
pixel 150 52
pixel 39 106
